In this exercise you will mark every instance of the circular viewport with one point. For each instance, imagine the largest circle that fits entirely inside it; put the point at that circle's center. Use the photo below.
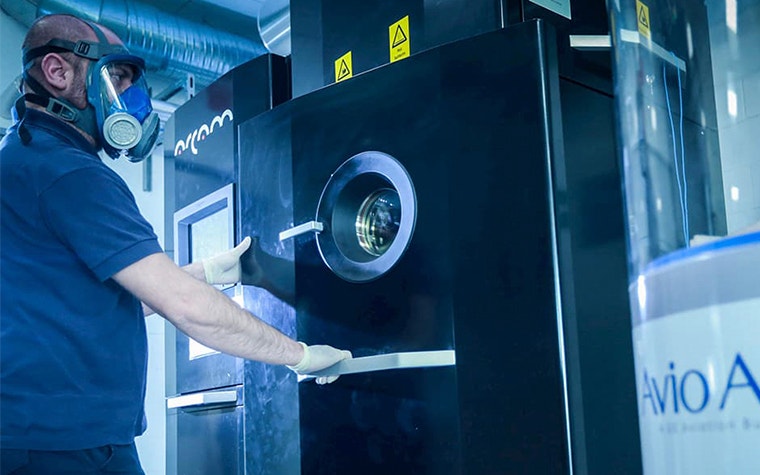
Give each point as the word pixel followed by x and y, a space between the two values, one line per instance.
pixel 370 209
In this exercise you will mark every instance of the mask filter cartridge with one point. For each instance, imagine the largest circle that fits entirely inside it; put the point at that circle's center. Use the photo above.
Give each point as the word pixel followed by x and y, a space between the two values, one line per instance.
pixel 122 131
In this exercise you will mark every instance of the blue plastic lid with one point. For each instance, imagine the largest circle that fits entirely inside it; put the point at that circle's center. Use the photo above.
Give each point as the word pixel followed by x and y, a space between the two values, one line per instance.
pixel 718 245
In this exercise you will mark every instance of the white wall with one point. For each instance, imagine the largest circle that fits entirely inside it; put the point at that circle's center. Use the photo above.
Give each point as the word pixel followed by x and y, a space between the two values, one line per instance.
pixel 11 36
pixel 151 445
pixel 736 72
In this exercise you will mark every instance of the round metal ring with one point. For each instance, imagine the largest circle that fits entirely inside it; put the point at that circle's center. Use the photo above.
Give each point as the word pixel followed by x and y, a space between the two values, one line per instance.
pixel 357 179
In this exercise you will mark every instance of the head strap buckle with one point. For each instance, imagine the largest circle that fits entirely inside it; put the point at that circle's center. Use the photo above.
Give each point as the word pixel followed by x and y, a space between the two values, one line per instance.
pixel 82 48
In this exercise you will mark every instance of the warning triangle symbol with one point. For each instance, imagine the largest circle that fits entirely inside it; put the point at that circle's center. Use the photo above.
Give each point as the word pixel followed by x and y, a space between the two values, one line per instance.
pixel 399 37
pixel 643 20
pixel 344 71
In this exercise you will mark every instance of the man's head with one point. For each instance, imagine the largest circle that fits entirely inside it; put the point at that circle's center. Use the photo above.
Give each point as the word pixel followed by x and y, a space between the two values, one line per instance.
pixel 62 73
pixel 81 73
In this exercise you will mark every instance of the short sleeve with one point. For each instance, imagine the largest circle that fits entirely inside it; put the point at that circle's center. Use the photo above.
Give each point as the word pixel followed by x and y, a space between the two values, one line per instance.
pixel 93 212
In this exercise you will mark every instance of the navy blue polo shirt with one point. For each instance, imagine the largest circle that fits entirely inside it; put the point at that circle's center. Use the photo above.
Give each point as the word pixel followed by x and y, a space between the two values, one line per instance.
pixel 73 348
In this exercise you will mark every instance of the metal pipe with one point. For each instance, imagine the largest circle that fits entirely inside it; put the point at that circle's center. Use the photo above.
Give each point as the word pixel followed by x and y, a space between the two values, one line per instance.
pixel 171 45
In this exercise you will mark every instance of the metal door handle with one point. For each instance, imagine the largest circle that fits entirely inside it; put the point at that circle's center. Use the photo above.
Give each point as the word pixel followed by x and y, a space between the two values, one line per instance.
pixel 307 227
pixel 604 42
pixel 590 42
pixel 407 360
pixel 201 399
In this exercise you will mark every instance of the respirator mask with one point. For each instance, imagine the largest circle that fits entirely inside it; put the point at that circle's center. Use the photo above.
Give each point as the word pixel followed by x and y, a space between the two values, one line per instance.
pixel 118 91
pixel 119 114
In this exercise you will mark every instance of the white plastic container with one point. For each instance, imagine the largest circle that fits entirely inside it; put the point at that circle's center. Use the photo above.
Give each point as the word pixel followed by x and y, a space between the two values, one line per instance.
pixel 696 332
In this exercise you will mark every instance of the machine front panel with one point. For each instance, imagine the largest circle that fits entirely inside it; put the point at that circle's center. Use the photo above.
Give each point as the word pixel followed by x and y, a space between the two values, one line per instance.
pixel 468 123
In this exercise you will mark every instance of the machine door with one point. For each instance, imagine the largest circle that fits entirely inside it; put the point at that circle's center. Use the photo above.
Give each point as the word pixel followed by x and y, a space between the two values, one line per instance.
pixel 422 228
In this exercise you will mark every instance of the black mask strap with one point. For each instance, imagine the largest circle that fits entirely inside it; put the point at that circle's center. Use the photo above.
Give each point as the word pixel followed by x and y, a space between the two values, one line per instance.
pixel 35 85
pixel 82 48
pixel 23 132
pixel 59 108
pixel 40 96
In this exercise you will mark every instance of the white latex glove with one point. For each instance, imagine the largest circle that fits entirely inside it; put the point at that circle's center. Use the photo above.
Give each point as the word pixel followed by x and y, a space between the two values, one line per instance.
pixel 224 268
pixel 317 357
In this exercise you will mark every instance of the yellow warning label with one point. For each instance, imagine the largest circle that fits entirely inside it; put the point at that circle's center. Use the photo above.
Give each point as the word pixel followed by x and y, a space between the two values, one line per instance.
pixel 642 12
pixel 398 36
pixel 343 67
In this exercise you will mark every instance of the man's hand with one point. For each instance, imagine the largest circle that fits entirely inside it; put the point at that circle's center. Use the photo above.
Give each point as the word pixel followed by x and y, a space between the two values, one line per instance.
pixel 318 357
pixel 224 268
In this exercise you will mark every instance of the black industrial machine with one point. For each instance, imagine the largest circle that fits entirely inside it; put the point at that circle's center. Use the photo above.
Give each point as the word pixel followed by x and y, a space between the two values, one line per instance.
pixel 213 423
pixel 333 40
pixel 457 224
pixel 454 218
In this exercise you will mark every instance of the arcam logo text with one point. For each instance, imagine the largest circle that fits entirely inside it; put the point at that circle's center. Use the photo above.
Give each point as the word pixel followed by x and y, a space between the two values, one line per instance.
pixel 201 133
pixel 689 390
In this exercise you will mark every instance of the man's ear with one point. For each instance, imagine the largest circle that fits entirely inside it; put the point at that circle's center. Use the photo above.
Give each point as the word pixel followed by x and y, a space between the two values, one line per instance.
pixel 58 73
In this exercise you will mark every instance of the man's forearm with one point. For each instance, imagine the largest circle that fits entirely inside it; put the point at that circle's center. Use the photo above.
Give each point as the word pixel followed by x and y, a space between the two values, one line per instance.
pixel 204 313
pixel 195 269
pixel 233 330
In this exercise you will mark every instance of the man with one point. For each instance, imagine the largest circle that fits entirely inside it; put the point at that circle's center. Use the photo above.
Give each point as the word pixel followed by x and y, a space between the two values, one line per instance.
pixel 80 266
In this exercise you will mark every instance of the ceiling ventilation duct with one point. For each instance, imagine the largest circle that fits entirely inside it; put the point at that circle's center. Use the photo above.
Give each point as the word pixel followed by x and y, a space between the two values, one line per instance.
pixel 170 45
